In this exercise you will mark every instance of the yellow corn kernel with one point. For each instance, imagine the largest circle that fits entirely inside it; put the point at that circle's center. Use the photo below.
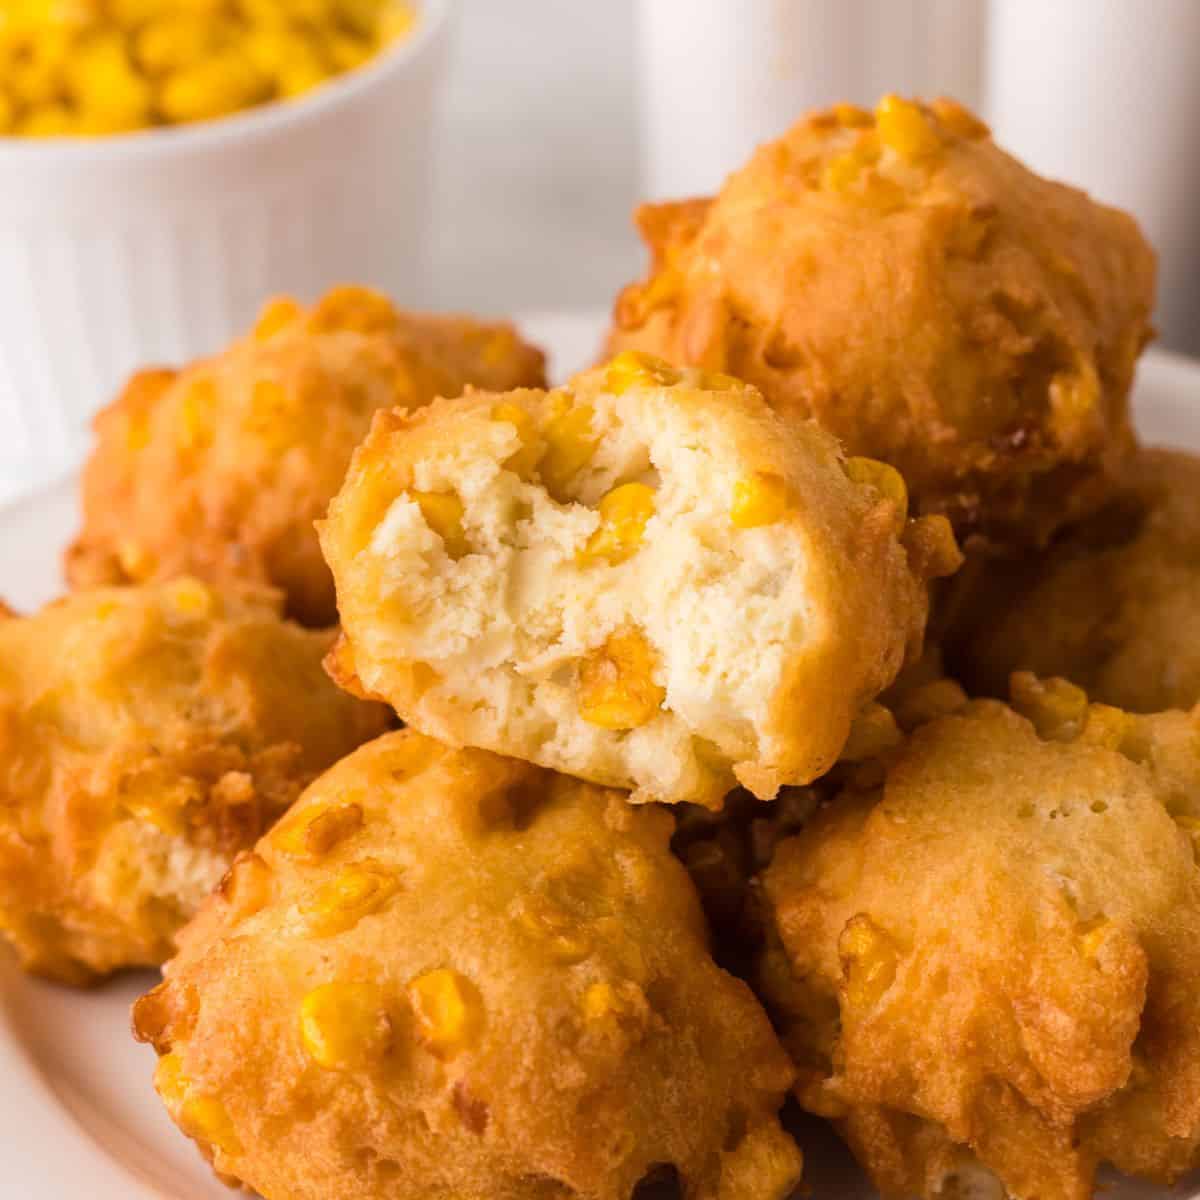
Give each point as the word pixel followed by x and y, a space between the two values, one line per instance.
pixel 850 116
pixel 623 516
pixel 171 42
pixel 205 1119
pixel 625 1004
pixel 397 21
pixel 885 479
pixel 214 87
pixel 840 172
pixel 633 368
pixel 869 962
pixel 169 1079
pixel 36 77
pixel 958 120
pixel 1191 826
pixel 348 52
pixel 247 887
pixel 309 836
pixel 355 892
pixel 904 128
pixel 276 316
pixel 524 461
pixel 1093 934
pixel 135 560
pixel 345 1026
pixel 448 1011
pixel 570 445
pixel 443 513
pixel 196 407
pixel 616 684
pixel 201 1117
pixel 564 935
pixel 49 121
pixel 8 114
pixel 191 598
pixel 353 309
pixel 1056 707
pixel 760 500
pixel 873 733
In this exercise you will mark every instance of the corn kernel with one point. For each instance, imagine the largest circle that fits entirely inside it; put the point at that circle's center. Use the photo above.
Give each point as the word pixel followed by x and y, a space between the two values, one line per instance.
pixel 564 935
pixel 633 368
pixel 570 445
pixel 201 1117
pixel 353 309
pixel 191 598
pixel 345 1026
pixel 904 128
pixel 958 120
pixel 1056 707
pixel 205 1119
pixel 48 121
pixel 196 407
pixel 1094 934
pixel 850 116
pixel 869 962
pixel 760 500
pixel 169 43
pixel 443 513
pixel 885 479
pixel 522 462
pixel 8 114
pixel 623 516
pixel 276 316
pixel 840 172
pixel 616 686
pixel 625 1004
pixel 873 732
pixel 448 1011
pixel 304 835
pixel 355 892
pixel 1191 826
pixel 135 560
pixel 213 87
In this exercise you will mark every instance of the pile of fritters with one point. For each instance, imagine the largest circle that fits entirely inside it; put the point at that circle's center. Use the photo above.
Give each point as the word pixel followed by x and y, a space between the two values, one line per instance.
pixel 727 774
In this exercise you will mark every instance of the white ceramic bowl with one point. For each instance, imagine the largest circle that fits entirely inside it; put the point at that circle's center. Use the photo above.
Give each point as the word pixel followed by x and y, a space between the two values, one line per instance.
pixel 159 246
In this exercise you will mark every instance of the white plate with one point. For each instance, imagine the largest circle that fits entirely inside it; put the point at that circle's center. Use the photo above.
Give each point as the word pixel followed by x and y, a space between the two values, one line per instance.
pixel 78 1117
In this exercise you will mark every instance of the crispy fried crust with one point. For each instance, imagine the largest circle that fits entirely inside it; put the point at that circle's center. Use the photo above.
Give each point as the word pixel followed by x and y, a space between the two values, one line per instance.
pixel 925 297
pixel 219 470
pixel 146 736
pixel 770 590
pixel 1114 606
pixel 993 957
pixel 520 1005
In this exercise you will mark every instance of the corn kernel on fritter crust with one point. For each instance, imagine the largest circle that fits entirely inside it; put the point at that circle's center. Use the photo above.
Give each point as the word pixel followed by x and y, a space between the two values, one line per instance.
pixel 488 982
pixel 146 736
pixel 925 297
pixel 993 957
pixel 219 470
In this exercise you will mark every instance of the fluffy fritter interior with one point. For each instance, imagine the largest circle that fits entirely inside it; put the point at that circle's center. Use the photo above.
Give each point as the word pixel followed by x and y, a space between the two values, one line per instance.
pixel 1114 605
pixel 451 974
pixel 992 956
pixel 146 736
pixel 219 470
pixel 925 297
pixel 645 579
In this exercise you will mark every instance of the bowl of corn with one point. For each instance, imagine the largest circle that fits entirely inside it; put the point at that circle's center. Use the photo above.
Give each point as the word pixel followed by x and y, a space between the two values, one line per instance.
pixel 167 164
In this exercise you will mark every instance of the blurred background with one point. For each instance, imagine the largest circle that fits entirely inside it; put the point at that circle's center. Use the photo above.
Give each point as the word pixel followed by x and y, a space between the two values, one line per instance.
pixel 559 117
